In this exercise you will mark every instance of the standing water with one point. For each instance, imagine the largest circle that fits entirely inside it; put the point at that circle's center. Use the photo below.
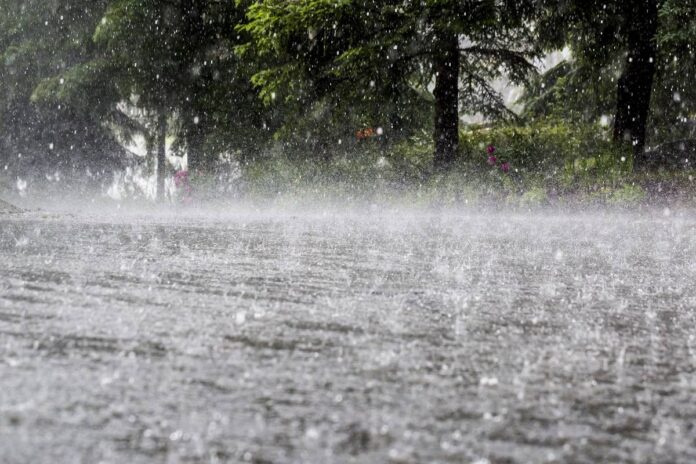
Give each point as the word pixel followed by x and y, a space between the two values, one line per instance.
pixel 397 337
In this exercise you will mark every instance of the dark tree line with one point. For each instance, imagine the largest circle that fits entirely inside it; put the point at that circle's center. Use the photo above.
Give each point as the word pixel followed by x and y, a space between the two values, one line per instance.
pixel 79 76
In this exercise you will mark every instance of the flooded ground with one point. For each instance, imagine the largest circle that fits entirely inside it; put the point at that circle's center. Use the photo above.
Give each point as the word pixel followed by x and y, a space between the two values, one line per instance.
pixel 447 337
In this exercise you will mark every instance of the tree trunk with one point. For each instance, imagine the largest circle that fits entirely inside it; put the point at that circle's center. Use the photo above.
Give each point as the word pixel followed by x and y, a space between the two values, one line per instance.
pixel 195 137
pixel 151 157
pixel 161 154
pixel 393 94
pixel 193 29
pixel 636 83
pixel 446 62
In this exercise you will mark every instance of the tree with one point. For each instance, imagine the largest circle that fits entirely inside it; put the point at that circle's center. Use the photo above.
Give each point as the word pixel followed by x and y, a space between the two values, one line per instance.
pixel 673 114
pixel 38 41
pixel 635 86
pixel 141 40
pixel 176 59
pixel 320 50
pixel 606 36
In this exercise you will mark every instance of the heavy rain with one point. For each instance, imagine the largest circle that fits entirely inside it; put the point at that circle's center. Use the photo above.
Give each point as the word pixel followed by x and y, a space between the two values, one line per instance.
pixel 347 231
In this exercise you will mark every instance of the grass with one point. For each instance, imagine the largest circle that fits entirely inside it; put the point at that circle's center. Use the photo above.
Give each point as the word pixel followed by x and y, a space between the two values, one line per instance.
pixel 552 163
pixel 373 180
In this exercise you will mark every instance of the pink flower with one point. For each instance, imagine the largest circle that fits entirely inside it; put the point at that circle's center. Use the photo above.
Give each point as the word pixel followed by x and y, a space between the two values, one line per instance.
pixel 492 160
pixel 505 167
pixel 490 149
pixel 181 178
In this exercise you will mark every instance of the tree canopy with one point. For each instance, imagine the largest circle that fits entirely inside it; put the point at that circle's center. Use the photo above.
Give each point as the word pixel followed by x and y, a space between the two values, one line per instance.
pixel 383 61
pixel 235 78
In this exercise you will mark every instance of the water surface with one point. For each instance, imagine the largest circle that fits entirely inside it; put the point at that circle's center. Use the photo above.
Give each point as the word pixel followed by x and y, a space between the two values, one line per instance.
pixel 382 336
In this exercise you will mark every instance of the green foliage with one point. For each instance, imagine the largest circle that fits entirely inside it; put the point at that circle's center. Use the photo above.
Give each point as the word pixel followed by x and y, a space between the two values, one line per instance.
pixel 679 26
pixel 535 196
pixel 77 87
pixel 553 150
pixel 178 58
pixel 593 29
pixel 573 91
pixel 283 87
pixel 38 41
pixel 674 102
pixel 584 89
pixel 372 62
pixel 629 194
pixel 549 160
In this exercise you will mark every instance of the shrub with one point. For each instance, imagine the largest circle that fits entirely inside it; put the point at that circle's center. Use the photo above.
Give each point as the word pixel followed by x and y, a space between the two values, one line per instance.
pixel 558 154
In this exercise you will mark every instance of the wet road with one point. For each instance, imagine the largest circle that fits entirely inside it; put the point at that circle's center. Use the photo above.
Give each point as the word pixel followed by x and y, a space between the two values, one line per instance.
pixel 368 338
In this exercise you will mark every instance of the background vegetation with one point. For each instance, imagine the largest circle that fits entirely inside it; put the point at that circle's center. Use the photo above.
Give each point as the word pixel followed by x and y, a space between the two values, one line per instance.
pixel 355 97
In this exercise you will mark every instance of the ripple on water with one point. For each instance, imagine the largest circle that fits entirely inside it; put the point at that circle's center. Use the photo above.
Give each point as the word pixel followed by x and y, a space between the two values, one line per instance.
pixel 460 338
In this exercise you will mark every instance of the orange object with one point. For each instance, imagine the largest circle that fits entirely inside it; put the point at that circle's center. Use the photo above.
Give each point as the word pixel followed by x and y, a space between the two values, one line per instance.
pixel 365 133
